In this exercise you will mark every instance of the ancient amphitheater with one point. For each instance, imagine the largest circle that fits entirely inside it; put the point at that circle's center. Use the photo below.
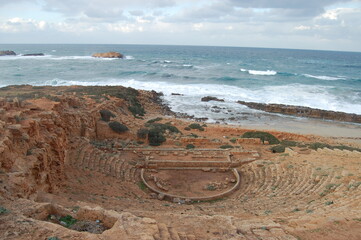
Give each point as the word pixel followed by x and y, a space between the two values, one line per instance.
pixel 60 159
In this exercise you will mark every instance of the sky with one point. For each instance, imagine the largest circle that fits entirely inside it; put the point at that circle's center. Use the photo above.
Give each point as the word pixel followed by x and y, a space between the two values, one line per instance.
pixel 298 24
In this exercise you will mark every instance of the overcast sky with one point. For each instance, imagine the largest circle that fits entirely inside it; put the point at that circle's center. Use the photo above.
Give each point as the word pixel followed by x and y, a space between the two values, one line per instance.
pixel 301 24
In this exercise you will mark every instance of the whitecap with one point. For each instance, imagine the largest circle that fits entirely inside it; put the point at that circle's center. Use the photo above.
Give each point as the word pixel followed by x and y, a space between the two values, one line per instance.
pixel 187 65
pixel 327 78
pixel 259 72
pixel 264 73
pixel 315 96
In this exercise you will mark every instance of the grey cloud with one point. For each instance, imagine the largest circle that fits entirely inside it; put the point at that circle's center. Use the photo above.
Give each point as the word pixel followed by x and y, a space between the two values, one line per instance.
pixel 106 10
pixel 307 4
pixel 228 12
pixel 136 12
pixel 7 2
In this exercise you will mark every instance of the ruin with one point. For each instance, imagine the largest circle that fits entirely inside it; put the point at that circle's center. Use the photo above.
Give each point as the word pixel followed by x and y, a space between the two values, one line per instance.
pixel 60 160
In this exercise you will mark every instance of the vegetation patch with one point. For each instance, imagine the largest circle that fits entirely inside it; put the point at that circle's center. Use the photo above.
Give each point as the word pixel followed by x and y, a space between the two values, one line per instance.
pixel 190 146
pixel 142 133
pixel 233 140
pixel 288 143
pixel 3 210
pixel 156 137
pixel 196 126
pixel 68 221
pixel 106 115
pixel 278 149
pixel 318 145
pixel 156 132
pixel 328 202
pixel 211 187
pixel 264 136
pixel 155 120
pixel 227 146
pixel 118 127
pixel 142 186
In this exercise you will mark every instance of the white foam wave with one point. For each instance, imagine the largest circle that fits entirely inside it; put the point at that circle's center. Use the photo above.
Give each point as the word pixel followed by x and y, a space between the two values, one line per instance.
pixel 264 73
pixel 259 72
pixel 327 78
pixel 187 65
pixel 21 57
pixel 293 94
pixel 129 57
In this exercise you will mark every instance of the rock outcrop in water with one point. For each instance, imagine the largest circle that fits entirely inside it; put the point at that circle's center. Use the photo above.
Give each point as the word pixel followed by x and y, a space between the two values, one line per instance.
pixel 108 55
pixel 300 111
pixel 210 98
pixel 33 54
pixel 7 53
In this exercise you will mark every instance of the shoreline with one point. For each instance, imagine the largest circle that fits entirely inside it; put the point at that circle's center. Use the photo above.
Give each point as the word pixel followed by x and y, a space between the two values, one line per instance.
pixel 286 123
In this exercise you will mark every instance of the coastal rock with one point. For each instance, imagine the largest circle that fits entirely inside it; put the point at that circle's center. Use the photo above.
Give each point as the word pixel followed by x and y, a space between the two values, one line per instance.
pixel 7 53
pixel 108 55
pixel 210 98
pixel 33 54
pixel 304 111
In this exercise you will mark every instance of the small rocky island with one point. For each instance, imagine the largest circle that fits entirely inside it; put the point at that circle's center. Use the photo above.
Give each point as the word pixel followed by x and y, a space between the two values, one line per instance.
pixel 7 53
pixel 108 55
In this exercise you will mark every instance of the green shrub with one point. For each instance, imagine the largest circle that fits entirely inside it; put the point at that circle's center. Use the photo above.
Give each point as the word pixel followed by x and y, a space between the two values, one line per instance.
pixel 106 115
pixel 288 143
pixel 155 137
pixel 190 146
pixel 118 127
pixel 318 145
pixel 328 202
pixel 163 127
pixel 136 110
pixel 155 120
pixel 156 132
pixel 278 149
pixel 142 133
pixel 264 136
pixel 68 220
pixel 53 238
pixel 3 210
pixel 233 140
pixel 196 126
pixel 142 186
pixel 226 146
pixel 187 128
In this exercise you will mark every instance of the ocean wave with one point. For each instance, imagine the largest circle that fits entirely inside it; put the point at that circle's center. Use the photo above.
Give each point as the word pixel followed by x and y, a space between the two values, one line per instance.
pixel 327 78
pixel 21 57
pixel 187 65
pixel 259 72
pixel 293 94
pixel 265 73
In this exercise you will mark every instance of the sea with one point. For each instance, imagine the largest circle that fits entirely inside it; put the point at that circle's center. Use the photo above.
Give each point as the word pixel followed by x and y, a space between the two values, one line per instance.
pixel 328 80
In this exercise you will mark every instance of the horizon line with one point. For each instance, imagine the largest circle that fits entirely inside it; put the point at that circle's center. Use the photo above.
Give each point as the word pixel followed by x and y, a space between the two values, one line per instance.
pixel 185 45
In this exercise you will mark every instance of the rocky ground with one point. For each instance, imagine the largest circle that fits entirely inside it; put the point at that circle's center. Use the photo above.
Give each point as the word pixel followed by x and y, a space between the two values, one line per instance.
pixel 65 174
